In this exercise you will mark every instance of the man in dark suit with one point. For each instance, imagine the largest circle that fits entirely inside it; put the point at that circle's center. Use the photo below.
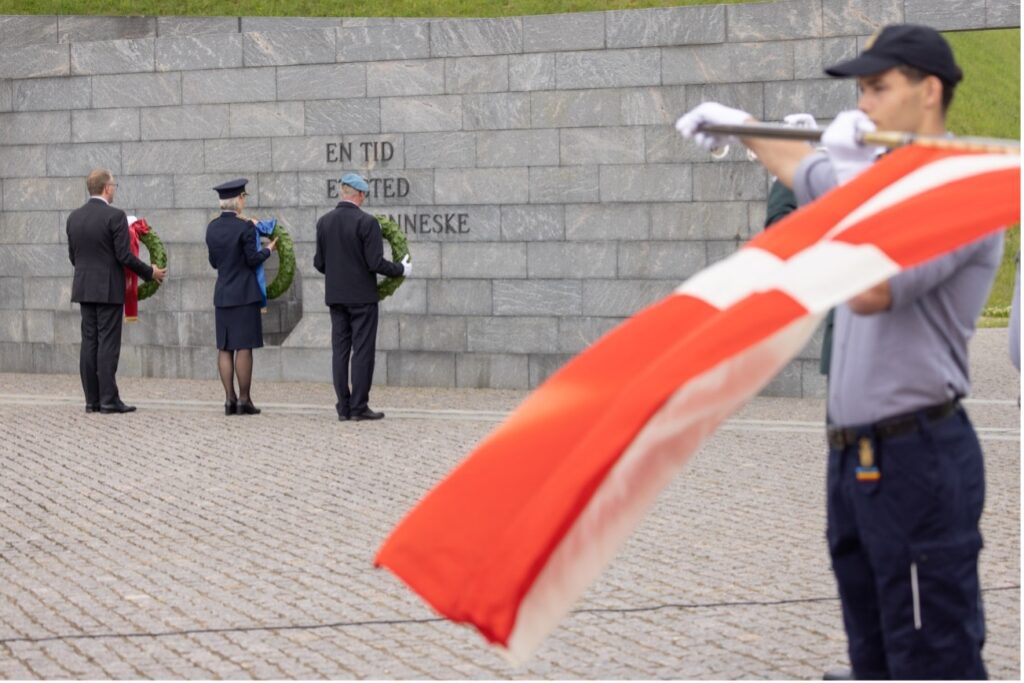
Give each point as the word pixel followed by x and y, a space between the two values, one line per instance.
pixel 349 252
pixel 99 249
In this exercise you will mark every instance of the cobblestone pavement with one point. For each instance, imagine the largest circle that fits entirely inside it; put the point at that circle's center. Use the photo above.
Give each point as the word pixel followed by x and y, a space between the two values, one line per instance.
pixel 177 543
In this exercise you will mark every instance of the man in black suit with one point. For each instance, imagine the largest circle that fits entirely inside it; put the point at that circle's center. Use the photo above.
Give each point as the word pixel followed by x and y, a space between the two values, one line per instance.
pixel 349 251
pixel 99 249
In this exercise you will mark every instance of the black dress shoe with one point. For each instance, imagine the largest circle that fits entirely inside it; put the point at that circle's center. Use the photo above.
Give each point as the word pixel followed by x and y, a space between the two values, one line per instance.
pixel 248 408
pixel 92 407
pixel 343 418
pixel 119 407
pixel 368 415
pixel 230 407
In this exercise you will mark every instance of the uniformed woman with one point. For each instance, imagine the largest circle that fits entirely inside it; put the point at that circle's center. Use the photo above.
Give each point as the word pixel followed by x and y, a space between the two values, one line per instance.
pixel 235 252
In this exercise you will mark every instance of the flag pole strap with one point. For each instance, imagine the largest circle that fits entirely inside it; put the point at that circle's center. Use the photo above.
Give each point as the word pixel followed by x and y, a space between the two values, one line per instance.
pixel 881 138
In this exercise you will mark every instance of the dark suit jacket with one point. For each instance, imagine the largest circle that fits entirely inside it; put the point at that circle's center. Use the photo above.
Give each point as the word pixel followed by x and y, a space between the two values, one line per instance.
pixel 99 249
pixel 349 251
pixel 235 253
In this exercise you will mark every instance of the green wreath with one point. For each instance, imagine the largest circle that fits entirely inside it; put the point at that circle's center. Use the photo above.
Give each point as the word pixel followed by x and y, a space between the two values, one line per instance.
pixel 286 262
pixel 399 250
pixel 157 255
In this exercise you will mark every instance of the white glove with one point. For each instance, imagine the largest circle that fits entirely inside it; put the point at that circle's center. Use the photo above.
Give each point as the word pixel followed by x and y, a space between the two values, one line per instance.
pixel 131 219
pixel 713 113
pixel 800 121
pixel 406 266
pixel 842 142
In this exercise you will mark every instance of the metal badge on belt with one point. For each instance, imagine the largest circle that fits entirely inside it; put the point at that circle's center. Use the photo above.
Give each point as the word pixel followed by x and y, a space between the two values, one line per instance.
pixel 867 471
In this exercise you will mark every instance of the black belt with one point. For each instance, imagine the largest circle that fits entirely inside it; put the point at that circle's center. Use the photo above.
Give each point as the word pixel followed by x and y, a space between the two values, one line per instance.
pixel 841 437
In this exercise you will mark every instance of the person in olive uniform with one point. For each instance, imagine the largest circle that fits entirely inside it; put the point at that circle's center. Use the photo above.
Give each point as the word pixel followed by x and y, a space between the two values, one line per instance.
pixel 235 252
pixel 350 252
pixel 99 249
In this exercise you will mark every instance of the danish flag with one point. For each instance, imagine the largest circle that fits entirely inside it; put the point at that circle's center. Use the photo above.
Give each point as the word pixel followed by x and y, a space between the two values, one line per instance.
pixel 515 534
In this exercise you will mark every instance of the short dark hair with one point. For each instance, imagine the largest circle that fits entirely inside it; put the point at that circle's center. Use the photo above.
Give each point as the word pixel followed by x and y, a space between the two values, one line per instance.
pixel 917 75
pixel 98 179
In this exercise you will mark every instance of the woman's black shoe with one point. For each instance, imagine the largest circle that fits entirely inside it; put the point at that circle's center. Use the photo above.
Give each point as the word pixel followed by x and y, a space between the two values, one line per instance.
pixel 230 407
pixel 247 408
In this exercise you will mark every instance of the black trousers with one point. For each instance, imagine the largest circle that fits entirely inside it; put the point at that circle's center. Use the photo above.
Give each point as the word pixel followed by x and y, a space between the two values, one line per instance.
pixel 353 331
pixel 101 349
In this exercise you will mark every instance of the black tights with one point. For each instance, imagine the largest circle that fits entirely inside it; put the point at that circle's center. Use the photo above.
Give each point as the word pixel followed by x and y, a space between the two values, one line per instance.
pixel 230 364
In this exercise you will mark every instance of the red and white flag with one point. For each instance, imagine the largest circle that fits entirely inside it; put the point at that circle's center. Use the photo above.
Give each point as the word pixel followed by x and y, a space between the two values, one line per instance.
pixel 515 534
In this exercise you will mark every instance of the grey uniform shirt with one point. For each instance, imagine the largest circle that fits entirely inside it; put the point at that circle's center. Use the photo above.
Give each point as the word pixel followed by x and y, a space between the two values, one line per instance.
pixel 915 354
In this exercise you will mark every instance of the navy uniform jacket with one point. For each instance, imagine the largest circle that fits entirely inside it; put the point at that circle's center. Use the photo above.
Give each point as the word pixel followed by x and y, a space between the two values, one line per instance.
pixel 349 251
pixel 99 249
pixel 235 253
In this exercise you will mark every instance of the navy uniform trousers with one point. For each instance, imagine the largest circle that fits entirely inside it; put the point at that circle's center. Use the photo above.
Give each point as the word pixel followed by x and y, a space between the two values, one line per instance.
pixel 905 550
pixel 353 331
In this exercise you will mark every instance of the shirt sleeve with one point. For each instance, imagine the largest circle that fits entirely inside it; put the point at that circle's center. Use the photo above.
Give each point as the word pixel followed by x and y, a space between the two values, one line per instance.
pixel 910 285
pixel 813 178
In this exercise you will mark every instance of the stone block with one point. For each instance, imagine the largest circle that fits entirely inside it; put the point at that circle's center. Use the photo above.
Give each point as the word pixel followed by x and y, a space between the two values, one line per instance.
pixel 860 17
pixel 813 384
pixel 194 26
pixel 101 125
pixel 191 259
pixel 1002 13
pixel 35 61
pixel 321 82
pixel 746 96
pixel 822 99
pixel 531 72
pixel 196 328
pixel 621 298
pixel 157 328
pixel 485 260
pixel 229 85
pixel 404 40
pixel 440 150
pixel 556 32
pixel 518 334
pixel 575 109
pixel 49 294
pixel 542 366
pixel 561 185
pixel 492 371
pixel 187 52
pixel 481 186
pixel 699 220
pixel 571 260
pixel 12 326
pixel 145 192
pixel 779 20
pixel 136 90
pixel 476 74
pixel 537 297
pixel 517 148
pixel 411 297
pixel 421 369
pixel 496 111
pixel 607 69
pixel 337 153
pixel 191 122
pixel 79 159
pixel 426 256
pixel 283 24
pixel 788 382
pixel 67 325
pixel 387 188
pixel 22 161
pixel 447 223
pixel 279 189
pixel 299 221
pixel 343 116
pixel 432 333
pixel 664 145
pixel 314 330
pixel 675 261
pixel 459 297
pixel 283 48
pixel 670 26
pixel 521 223
pixel 590 222
pixel 414 114
pixel 610 145
pixel 812 57
pixel 80 29
pixel 406 78
pixel 30 227
pixel 168 297
pixel 193 191
pixel 41 94
pixel 660 183
pixel 267 366
pixel 113 56
pixel 948 15
pixel 6 95
pixel 727 181
pixel 236 154
pixel 35 127
pixel 11 298
pixel 720 249
pixel 576 334
pixel 387 333
pixel 266 120
pixel 474 37
pixel 43 194
pixel 182 225
pixel 39 327
pixel 718 63
pixel 659 106
pixel 24 30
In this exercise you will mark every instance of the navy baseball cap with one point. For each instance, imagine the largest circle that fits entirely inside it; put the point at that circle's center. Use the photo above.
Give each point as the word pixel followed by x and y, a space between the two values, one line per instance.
pixel 231 188
pixel 355 181
pixel 920 47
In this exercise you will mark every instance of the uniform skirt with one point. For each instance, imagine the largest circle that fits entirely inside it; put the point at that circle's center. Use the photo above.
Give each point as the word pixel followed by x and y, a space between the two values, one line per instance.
pixel 239 327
